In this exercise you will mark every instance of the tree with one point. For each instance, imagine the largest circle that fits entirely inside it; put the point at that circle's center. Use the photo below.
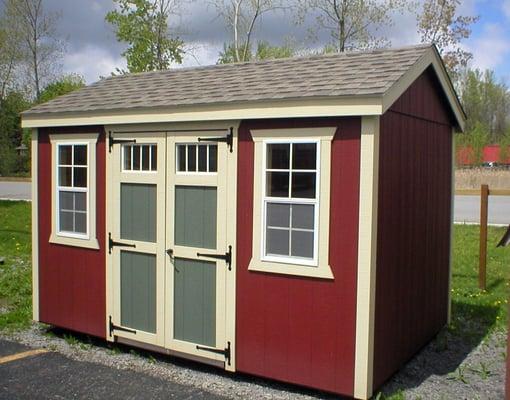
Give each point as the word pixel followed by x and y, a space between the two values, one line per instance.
pixel 143 25
pixel 439 23
pixel 352 24
pixel 10 56
pixel 241 17
pixel 66 84
pixel 265 51
pixel 41 49
pixel 486 102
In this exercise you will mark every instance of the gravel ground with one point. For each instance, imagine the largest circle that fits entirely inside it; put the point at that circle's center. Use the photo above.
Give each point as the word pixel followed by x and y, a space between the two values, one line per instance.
pixel 445 369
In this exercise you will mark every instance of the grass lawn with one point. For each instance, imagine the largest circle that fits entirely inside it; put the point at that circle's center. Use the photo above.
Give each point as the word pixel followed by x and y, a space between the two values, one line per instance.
pixel 16 273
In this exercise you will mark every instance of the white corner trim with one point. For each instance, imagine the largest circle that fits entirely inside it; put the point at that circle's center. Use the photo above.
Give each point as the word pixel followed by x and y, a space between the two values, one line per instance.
pixel 324 135
pixel 367 257
pixel 91 140
pixel 35 226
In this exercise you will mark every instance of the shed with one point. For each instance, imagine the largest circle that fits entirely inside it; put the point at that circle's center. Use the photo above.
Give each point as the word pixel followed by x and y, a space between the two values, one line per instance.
pixel 289 219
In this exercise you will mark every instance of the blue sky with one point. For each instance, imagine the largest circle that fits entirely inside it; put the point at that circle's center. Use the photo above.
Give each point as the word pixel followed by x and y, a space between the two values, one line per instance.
pixel 93 51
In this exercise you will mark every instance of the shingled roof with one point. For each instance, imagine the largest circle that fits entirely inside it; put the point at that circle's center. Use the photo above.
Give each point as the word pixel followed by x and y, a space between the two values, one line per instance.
pixel 369 73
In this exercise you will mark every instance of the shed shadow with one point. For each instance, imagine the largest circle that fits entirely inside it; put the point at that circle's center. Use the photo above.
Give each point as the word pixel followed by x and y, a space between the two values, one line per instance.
pixel 447 351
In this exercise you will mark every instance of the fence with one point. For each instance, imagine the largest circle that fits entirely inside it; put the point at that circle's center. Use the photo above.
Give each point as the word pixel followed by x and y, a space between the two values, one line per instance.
pixel 484 194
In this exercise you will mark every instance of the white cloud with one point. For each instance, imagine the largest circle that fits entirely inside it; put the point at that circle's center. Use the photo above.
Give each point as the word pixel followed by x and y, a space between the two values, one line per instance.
pixel 92 62
pixel 201 53
pixel 491 48
pixel 506 8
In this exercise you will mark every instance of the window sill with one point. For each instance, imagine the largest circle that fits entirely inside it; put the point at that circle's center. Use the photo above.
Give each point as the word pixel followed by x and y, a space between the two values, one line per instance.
pixel 322 271
pixel 70 241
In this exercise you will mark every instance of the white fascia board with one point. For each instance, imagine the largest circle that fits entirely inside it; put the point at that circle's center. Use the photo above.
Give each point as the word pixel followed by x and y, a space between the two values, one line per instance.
pixel 338 107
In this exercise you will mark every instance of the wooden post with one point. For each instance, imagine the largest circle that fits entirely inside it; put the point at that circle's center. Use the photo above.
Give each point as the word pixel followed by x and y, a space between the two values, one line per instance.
pixel 484 210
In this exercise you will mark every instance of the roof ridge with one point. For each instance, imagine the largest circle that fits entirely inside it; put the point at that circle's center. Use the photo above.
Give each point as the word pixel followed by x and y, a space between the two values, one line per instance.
pixel 270 61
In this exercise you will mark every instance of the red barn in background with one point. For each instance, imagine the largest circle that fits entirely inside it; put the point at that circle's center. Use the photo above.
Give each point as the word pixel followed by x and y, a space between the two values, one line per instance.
pixel 491 155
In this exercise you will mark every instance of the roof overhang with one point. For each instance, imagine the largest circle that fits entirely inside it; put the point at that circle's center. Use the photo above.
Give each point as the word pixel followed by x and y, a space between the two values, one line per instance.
pixel 432 59
pixel 281 108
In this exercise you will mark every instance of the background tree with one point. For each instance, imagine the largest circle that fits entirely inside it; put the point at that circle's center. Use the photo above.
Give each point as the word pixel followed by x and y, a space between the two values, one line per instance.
pixel 143 25
pixel 10 56
pixel 439 23
pixel 65 84
pixel 241 17
pixel 352 24
pixel 40 46
pixel 265 51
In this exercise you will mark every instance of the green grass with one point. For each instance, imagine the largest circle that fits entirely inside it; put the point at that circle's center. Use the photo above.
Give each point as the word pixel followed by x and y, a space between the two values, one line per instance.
pixel 15 274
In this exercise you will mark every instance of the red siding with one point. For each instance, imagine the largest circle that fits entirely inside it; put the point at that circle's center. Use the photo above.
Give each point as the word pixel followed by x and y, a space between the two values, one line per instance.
pixel 296 329
pixel 413 226
pixel 71 279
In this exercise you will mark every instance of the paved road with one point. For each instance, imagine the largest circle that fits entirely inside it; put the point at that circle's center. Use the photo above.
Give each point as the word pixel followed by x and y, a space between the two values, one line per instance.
pixel 15 190
pixel 53 376
pixel 467 208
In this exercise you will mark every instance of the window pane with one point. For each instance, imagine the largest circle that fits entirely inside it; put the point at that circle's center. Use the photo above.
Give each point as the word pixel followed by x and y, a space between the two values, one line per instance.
pixel 302 244
pixel 304 155
pixel 202 158
pixel 66 201
pixel 154 159
pixel 278 215
pixel 277 242
pixel 127 158
pixel 64 176
pixel 80 176
pixel 136 158
pixel 80 201
pixel 145 158
pixel 278 156
pixel 80 222
pixel 277 184
pixel 80 154
pixel 302 216
pixel 213 158
pixel 65 154
pixel 66 221
pixel 181 157
pixel 192 158
pixel 303 185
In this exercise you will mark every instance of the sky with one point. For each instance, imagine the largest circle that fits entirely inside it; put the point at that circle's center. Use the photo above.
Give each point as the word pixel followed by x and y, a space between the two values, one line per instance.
pixel 93 51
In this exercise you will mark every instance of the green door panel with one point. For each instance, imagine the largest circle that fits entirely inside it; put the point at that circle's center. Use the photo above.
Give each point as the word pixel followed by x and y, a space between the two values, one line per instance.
pixel 138 291
pixel 195 301
pixel 138 208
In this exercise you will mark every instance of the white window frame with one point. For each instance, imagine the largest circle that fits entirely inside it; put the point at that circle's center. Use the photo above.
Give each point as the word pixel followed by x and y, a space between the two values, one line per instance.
pixel 88 240
pixel 177 172
pixel 136 171
pixel 319 266
pixel 290 200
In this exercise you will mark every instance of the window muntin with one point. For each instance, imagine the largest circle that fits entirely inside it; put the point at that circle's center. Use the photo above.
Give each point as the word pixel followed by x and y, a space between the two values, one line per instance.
pixel 72 190
pixel 291 201
pixel 139 158
pixel 195 158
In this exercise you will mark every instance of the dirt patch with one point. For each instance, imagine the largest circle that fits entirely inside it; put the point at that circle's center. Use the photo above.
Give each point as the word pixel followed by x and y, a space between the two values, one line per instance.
pixel 473 178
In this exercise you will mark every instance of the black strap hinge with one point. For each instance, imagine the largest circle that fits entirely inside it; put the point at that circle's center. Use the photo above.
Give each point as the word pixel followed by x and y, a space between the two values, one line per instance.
pixel 225 352
pixel 114 327
pixel 112 243
pixel 227 257
pixel 229 139
pixel 112 141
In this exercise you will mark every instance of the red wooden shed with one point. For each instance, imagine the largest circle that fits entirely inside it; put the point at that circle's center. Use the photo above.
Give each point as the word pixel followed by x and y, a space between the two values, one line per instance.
pixel 289 219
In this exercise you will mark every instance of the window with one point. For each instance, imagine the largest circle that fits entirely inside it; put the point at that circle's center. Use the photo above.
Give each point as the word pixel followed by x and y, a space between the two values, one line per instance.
pixel 197 158
pixel 139 157
pixel 73 190
pixel 291 201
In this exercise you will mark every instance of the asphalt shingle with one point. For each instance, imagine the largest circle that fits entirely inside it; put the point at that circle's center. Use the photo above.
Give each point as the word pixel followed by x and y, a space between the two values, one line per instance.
pixel 369 73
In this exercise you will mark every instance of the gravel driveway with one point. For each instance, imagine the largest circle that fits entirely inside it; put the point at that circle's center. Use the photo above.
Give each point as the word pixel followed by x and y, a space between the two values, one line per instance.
pixel 445 369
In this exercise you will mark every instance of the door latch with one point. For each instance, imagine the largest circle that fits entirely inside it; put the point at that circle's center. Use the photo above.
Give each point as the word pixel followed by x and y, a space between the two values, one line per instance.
pixel 227 257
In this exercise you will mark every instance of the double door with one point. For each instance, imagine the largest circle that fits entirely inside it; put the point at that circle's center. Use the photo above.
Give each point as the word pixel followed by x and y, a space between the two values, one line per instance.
pixel 170 253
